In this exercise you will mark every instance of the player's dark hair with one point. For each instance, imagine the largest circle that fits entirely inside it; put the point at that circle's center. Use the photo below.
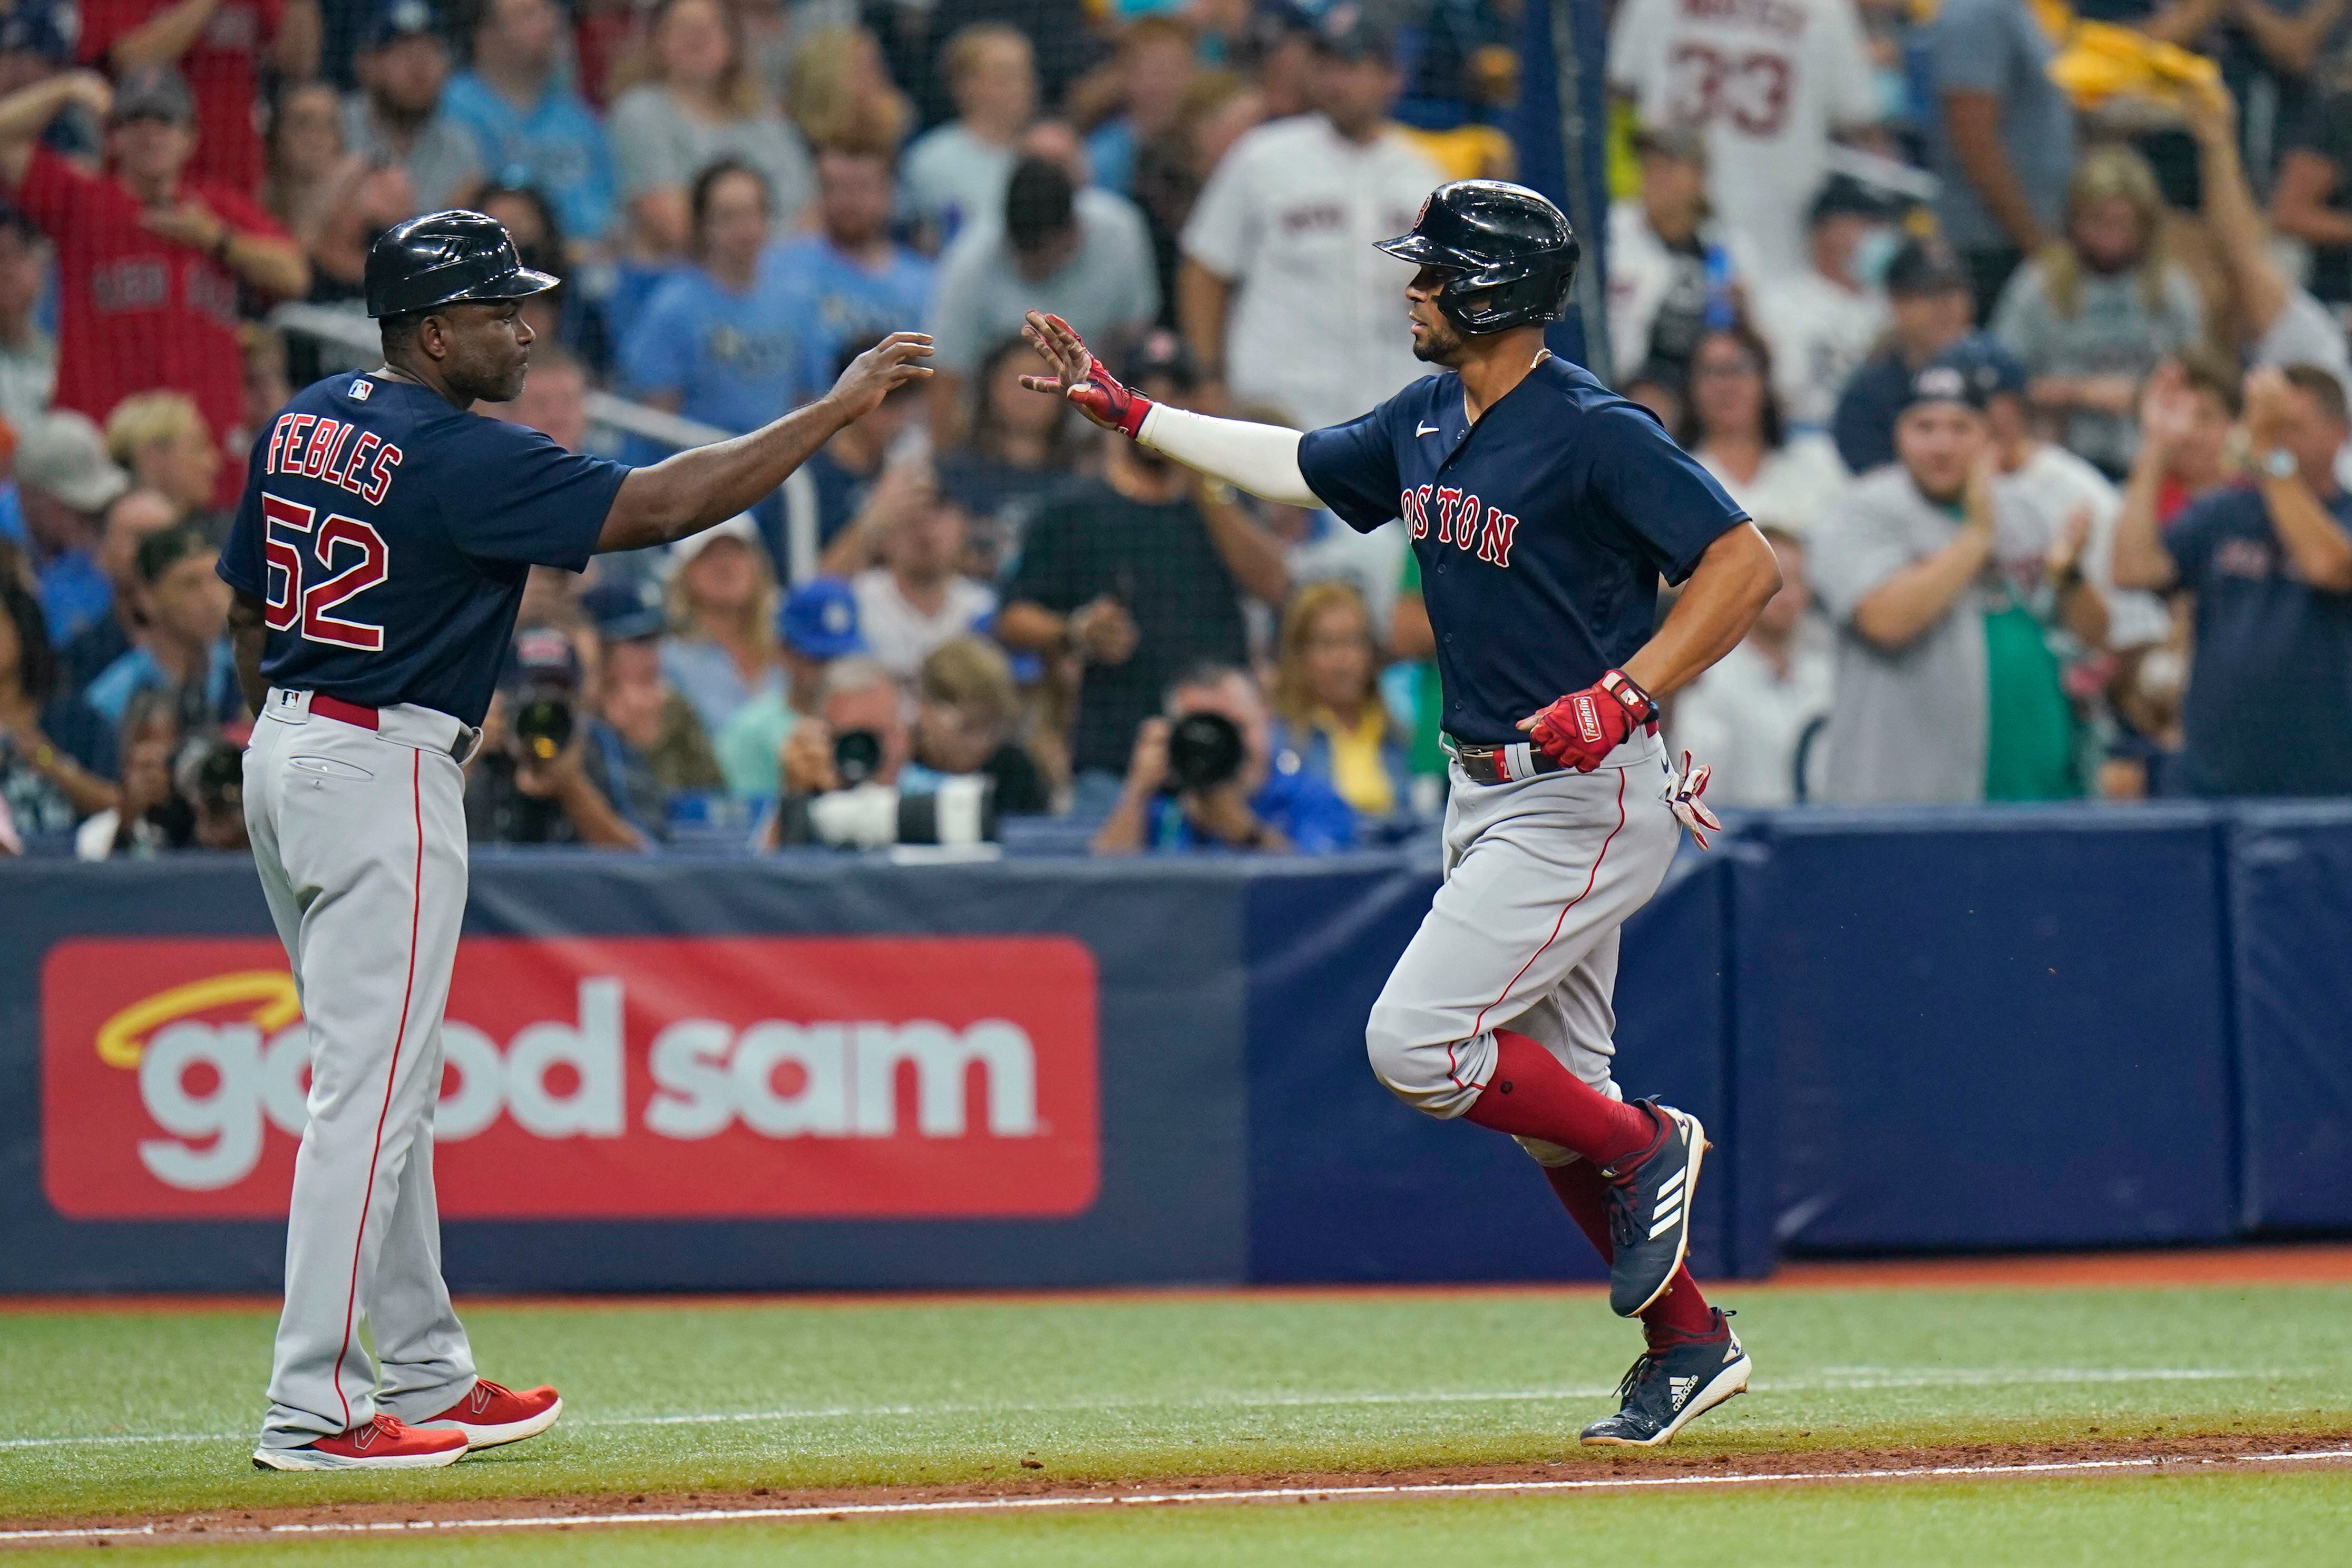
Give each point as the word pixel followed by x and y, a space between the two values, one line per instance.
pixel 158 552
pixel 2323 386
pixel 1040 202
pixel 399 332
pixel 1776 428
pixel 706 184
pixel 36 662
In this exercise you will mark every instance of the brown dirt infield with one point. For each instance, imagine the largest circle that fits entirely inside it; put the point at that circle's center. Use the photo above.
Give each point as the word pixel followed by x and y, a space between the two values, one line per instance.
pixel 1599 1471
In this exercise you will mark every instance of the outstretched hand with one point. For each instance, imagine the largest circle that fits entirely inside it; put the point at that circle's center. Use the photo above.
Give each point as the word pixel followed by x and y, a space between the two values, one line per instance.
pixel 881 371
pixel 1079 377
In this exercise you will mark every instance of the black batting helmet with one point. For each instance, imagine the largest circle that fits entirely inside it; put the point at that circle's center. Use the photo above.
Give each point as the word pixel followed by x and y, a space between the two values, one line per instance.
pixel 1505 244
pixel 443 258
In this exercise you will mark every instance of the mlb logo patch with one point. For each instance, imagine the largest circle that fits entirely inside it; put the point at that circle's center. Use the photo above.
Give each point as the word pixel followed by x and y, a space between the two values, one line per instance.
pixel 361 390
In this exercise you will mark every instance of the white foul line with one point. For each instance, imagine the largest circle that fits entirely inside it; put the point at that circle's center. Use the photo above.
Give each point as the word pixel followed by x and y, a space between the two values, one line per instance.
pixel 1262 1494
pixel 1835 1380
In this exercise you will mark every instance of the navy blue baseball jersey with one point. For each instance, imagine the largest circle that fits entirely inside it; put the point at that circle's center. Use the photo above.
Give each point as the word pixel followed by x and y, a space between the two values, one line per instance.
pixel 389 535
pixel 1541 531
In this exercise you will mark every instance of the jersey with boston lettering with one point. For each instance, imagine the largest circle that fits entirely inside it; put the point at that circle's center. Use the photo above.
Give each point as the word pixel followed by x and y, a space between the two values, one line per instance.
pixel 1541 530
pixel 389 535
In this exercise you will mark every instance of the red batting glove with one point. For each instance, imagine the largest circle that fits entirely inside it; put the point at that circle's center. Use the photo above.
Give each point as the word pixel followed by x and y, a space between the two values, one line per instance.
pixel 1102 398
pixel 1583 728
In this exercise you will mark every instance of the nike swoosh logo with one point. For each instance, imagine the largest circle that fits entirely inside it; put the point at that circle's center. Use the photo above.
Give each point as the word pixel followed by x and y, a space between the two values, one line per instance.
pixel 1426 430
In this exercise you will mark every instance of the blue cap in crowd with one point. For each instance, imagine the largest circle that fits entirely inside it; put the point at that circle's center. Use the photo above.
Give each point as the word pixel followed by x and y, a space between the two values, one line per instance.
pixel 625 612
pixel 401 19
pixel 820 619
pixel 1974 371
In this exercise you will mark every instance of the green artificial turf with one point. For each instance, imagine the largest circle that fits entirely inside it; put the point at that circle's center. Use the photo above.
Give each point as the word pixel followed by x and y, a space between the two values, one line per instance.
pixel 2244 1520
pixel 672 1399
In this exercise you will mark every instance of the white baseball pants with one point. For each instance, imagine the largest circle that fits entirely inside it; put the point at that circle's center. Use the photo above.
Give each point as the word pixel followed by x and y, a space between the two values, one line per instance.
pixel 1541 873
pixel 360 837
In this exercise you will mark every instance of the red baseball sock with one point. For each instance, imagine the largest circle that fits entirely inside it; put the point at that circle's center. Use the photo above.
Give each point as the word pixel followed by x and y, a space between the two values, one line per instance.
pixel 1532 1095
pixel 1682 1313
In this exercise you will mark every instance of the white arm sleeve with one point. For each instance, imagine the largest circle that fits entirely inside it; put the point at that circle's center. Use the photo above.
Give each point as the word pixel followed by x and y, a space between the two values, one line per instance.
pixel 1260 458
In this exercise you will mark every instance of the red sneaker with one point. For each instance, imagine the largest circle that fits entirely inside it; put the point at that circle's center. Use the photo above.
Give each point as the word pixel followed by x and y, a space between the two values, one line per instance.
pixel 384 1444
pixel 490 1415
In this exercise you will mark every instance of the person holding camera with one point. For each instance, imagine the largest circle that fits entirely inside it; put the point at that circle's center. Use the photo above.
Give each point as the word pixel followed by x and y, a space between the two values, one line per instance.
pixel 1207 775
pixel 531 782
pixel 849 782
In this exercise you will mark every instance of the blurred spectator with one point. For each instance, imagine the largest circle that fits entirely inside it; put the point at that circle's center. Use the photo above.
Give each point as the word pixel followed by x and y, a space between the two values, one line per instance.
pixel 1749 715
pixel 818 625
pixel 1768 85
pixel 651 744
pixel 308 168
pixel 1671 270
pixel 44 789
pixel 261 354
pixel 691 100
pixel 1661 388
pixel 2002 137
pixel 28 358
pixel 711 344
pixel 2278 322
pixel 1327 702
pixel 2197 400
pixel 553 399
pixel 523 115
pixel 2270 684
pixel 917 597
pixel 64 483
pixel 1735 428
pixel 847 474
pixel 2091 315
pixel 849 282
pixel 722 649
pixel 395 118
pixel 148 263
pixel 859 704
pixel 1287 222
pixel 1081 255
pixel 965 709
pixel 161 439
pixel 1927 293
pixel 2280 58
pixel 1171 168
pixel 1823 321
pixel 959 170
pixel 37 41
pixel 148 816
pixel 1138 574
pixel 131 519
pixel 1943 596
pixel 220 47
pixel 366 199
pixel 1157 60
pixel 535 779
pixel 839 90
pixel 1221 784
pixel 1020 448
pixel 182 648
pixel 2312 200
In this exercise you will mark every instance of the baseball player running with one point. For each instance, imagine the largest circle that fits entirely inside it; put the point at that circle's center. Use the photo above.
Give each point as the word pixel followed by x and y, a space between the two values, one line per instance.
pixel 379 560
pixel 1543 510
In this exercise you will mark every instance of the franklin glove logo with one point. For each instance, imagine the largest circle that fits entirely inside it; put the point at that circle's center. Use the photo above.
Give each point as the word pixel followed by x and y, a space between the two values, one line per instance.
pixel 1588 720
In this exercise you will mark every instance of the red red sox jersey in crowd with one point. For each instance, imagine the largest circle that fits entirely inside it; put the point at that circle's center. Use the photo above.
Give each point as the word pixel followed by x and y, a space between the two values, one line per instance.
pixel 136 310
pixel 222 68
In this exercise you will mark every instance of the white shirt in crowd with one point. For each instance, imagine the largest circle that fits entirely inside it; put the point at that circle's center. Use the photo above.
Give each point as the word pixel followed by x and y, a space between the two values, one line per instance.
pixel 28 376
pixel 1645 278
pixel 900 636
pixel 1793 487
pixel 951 177
pixel 1768 80
pixel 1744 718
pixel 1820 332
pixel 1317 330
pixel 2050 486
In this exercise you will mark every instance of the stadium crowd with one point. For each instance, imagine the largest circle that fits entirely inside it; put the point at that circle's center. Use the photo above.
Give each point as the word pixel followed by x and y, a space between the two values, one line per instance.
pixel 2021 330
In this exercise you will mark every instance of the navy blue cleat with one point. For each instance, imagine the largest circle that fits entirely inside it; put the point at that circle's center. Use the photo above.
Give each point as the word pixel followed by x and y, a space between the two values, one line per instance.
pixel 1668 1389
pixel 1650 1211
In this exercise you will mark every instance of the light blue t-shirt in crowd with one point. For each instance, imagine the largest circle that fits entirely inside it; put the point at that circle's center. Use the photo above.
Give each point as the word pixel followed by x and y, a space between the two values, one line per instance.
pixel 839 302
pixel 735 360
pixel 1996 47
pixel 558 143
